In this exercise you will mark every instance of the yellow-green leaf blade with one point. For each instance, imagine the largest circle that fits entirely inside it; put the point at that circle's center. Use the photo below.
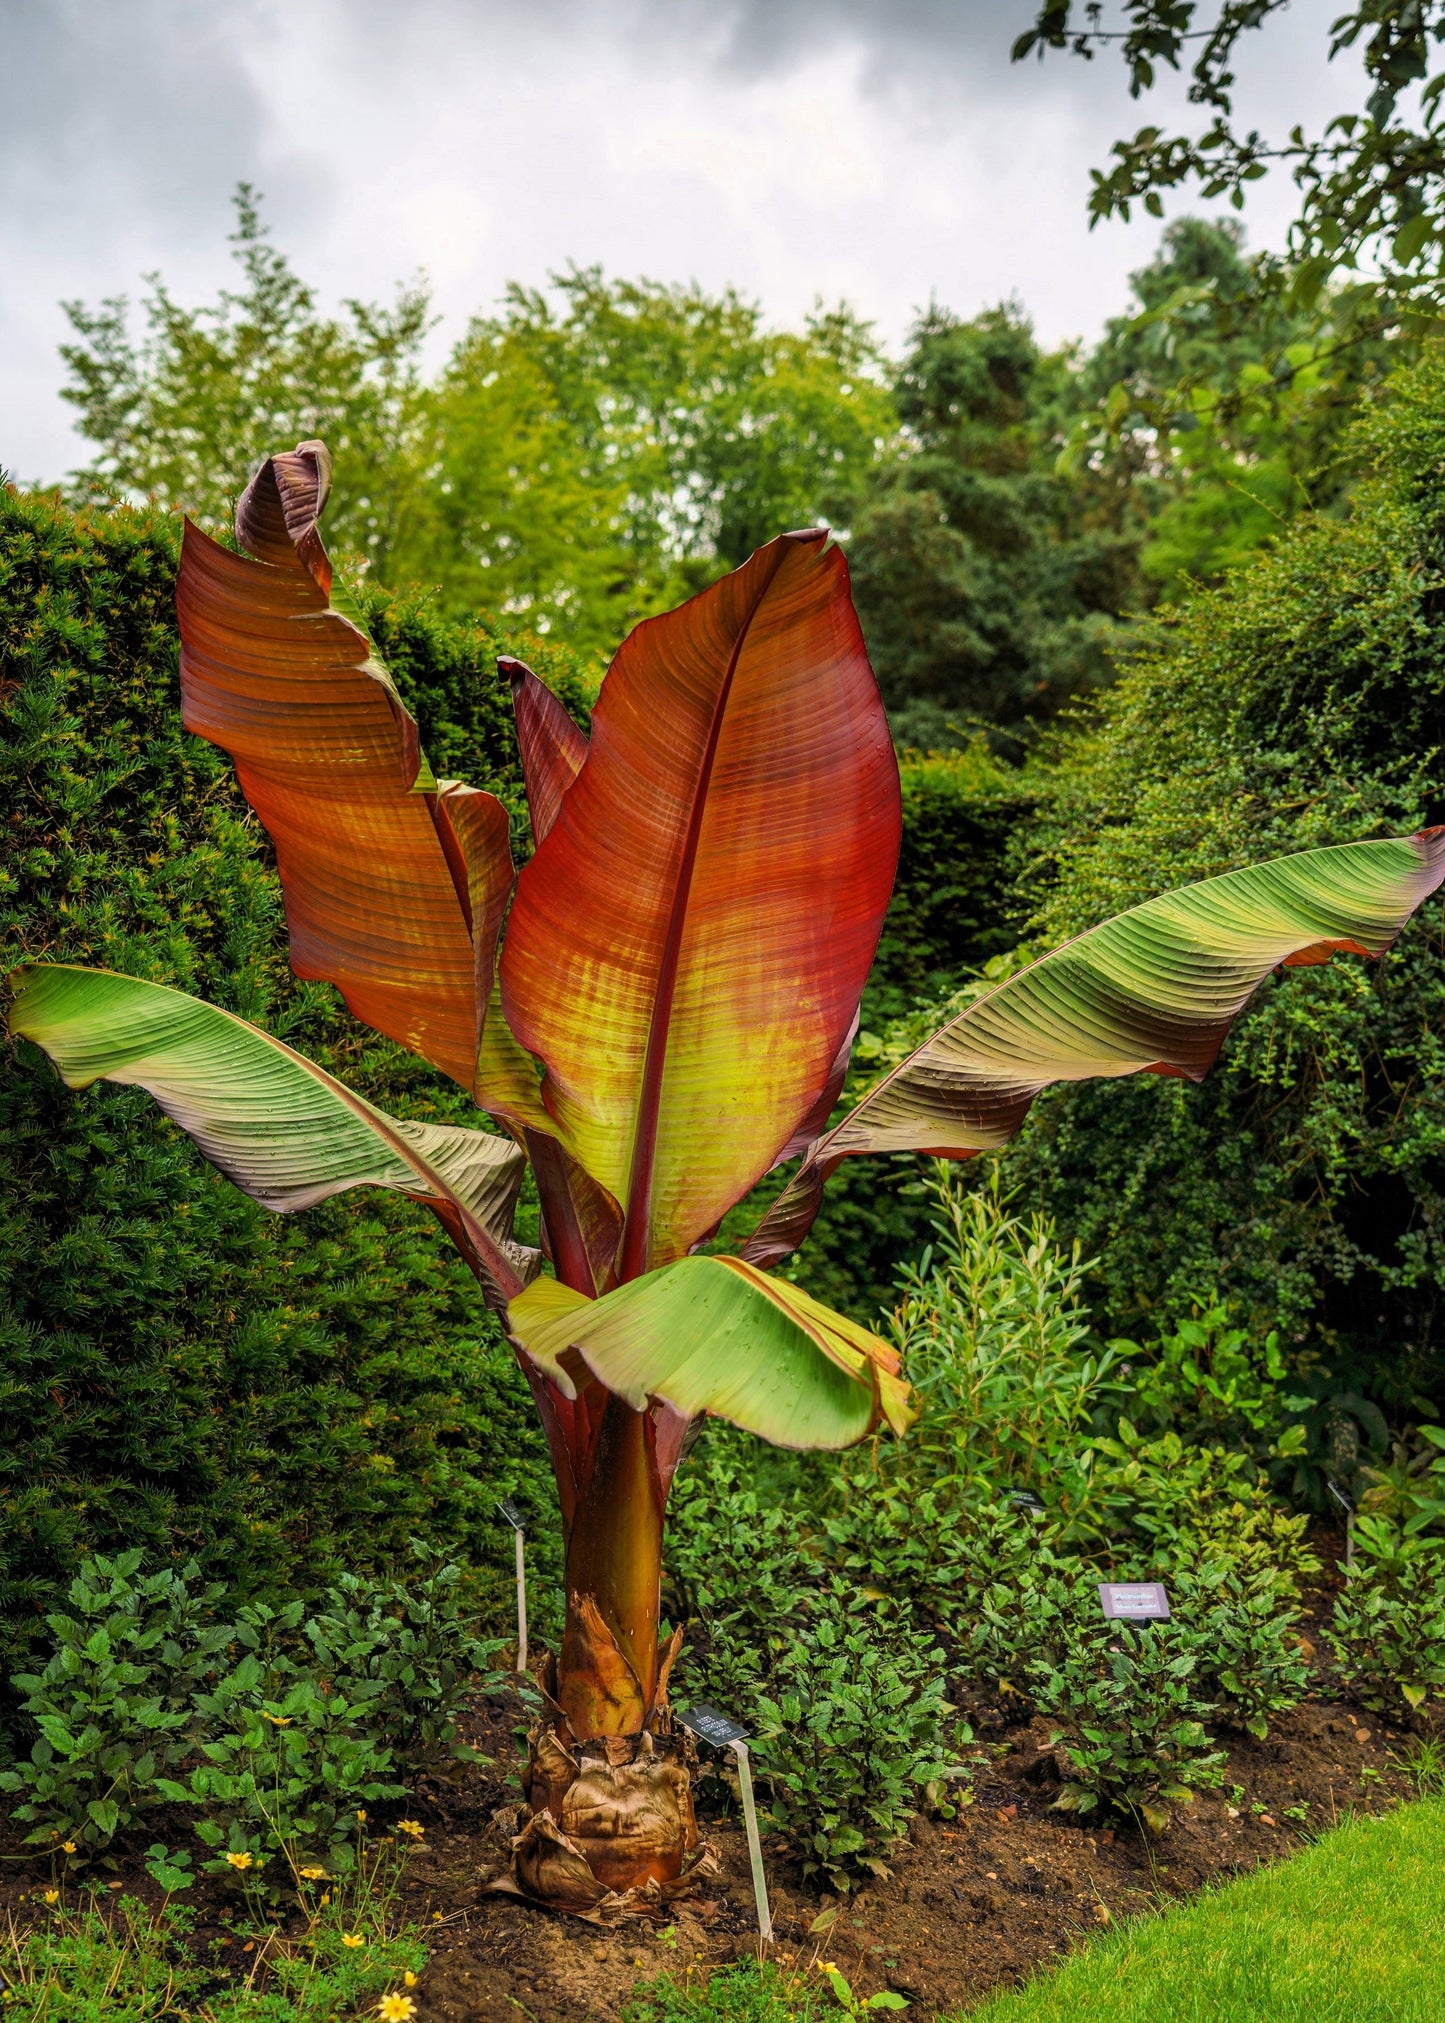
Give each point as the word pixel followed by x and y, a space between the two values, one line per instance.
pixel 708 1334
pixel 282 1129
pixel 1154 990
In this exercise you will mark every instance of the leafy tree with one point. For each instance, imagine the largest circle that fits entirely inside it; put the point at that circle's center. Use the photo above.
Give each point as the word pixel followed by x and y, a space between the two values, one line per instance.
pixel 989 583
pixel 1370 183
pixel 1253 432
pixel 612 446
pixel 176 414
pixel 587 456
pixel 1226 407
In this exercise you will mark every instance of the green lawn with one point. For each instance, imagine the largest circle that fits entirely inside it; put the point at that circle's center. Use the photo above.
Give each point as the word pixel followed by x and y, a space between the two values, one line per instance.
pixel 1350 1931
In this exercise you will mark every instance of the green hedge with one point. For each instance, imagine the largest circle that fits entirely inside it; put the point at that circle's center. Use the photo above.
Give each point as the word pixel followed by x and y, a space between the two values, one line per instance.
pixel 1301 704
pixel 177 1367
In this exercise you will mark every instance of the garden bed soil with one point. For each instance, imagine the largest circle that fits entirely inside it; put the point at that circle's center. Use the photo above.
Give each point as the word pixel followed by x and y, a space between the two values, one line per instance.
pixel 971 1903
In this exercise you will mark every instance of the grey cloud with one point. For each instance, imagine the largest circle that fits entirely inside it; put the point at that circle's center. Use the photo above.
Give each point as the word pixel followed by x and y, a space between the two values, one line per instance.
pixel 947 46
pixel 132 104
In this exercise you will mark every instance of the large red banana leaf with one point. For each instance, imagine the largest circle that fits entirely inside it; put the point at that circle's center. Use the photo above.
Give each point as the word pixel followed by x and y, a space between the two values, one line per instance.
pixel 395 883
pixel 687 948
pixel 1152 991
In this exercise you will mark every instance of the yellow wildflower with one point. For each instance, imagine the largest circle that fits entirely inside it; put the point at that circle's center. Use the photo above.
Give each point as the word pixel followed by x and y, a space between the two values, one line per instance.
pixel 52 1896
pixel 396 2009
pixel 242 1860
pixel 314 1875
pixel 412 1826
pixel 69 1847
pixel 409 1978
pixel 353 1939
pixel 277 1720
pixel 361 1816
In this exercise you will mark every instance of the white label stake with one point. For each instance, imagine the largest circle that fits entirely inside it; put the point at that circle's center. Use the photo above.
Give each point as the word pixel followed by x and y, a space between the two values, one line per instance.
pixel 521 1604
pixel 508 1510
pixel 724 1733
pixel 755 1845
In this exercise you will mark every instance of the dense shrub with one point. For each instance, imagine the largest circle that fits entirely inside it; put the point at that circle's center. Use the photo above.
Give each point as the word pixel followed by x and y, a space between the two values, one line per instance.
pixel 1387 1629
pixel 1242 1626
pixel 182 1371
pixel 841 1685
pixel 852 1727
pixel 1301 704
pixel 1127 1706
pixel 274 1726
pixel 113 1706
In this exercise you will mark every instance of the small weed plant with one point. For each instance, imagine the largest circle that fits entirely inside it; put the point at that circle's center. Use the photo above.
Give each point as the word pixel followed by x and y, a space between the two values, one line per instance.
pixel 754 1991
pixel 95 1960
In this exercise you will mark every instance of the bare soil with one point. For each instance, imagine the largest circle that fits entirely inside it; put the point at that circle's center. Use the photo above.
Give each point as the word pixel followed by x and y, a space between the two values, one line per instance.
pixel 971 1903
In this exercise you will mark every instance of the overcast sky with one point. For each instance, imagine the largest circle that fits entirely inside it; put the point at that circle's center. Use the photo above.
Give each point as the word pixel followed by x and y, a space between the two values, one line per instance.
pixel 880 150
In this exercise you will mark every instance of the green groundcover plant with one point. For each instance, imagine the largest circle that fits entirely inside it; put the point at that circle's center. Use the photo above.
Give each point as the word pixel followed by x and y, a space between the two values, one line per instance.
pixel 1387 1627
pixel 274 1730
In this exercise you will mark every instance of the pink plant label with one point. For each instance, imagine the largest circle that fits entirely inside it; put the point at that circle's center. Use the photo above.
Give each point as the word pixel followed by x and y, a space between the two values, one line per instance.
pixel 1134 1601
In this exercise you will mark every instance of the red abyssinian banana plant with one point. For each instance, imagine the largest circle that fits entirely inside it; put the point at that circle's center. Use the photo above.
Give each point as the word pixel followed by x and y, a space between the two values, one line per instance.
pixel 669 1018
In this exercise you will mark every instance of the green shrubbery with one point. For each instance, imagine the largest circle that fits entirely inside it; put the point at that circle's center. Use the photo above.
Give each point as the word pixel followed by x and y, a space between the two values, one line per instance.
pixel 1387 1629
pixel 1128 1712
pixel 832 1597
pixel 852 1729
pixel 1301 704
pixel 275 1729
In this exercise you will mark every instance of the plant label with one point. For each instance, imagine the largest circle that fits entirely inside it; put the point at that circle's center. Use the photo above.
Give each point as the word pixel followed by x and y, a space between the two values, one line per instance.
pixel 724 1733
pixel 1136 1601
pixel 1024 1499
pixel 509 1513
pixel 713 1726
pixel 1349 1509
